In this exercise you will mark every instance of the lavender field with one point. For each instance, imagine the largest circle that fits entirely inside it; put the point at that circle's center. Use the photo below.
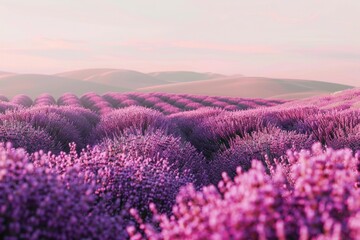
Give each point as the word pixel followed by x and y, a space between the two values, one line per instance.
pixel 179 166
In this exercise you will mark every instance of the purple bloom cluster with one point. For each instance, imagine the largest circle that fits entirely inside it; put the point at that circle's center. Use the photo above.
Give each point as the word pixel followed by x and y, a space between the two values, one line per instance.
pixel 163 102
pixel 22 134
pixel 181 155
pixel 69 99
pixel 321 202
pixel 95 103
pixel 3 98
pixel 5 106
pixel 63 124
pixel 38 203
pixel 139 165
pixel 122 180
pixel 131 118
pixel 264 146
pixel 44 100
pixel 22 100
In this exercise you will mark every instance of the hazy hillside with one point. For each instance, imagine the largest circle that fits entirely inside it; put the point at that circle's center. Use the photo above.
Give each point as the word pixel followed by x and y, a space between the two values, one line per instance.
pixel 115 77
pixel 84 74
pixel 36 84
pixel 184 76
pixel 5 74
pixel 252 87
pixel 135 79
pixel 101 80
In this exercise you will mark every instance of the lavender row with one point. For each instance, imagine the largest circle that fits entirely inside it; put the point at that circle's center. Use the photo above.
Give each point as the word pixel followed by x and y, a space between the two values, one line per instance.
pixel 314 196
pixel 101 167
pixel 107 193
pixel 163 102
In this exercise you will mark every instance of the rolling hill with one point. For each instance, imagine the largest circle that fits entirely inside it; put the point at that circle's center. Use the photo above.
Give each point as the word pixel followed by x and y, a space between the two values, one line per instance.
pixel 184 76
pixel 84 74
pixel 115 77
pixel 101 80
pixel 251 87
pixel 35 84
pixel 5 74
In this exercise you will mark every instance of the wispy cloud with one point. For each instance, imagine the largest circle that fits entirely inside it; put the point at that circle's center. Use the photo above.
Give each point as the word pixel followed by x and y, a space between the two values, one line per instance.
pixel 199 45
pixel 239 48
pixel 49 48
pixel 45 43
pixel 338 52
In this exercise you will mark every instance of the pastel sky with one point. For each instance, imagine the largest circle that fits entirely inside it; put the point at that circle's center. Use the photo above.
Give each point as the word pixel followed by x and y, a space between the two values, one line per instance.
pixel 307 39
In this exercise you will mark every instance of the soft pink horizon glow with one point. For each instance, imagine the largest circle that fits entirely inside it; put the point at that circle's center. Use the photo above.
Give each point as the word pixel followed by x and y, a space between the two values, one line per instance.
pixel 305 40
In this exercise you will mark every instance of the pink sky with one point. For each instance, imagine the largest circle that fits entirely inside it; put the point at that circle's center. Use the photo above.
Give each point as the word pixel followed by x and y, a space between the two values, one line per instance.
pixel 306 39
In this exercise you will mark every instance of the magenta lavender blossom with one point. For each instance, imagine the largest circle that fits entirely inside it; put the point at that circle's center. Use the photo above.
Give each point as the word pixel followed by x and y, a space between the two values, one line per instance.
pixel 136 118
pixel 123 181
pixel 182 157
pixel 139 165
pixel 23 135
pixel 269 145
pixel 44 100
pixel 37 203
pixel 22 100
pixel 321 203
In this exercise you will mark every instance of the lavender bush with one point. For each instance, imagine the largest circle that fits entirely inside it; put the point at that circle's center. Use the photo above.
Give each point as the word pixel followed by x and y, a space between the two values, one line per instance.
pixel 136 118
pixel 37 203
pixel 122 181
pixel 321 203
pixel 5 106
pixel 267 145
pixel 181 155
pixel 22 134
pixel 57 126
pixel 44 100
pixel 69 99
pixel 139 165
pixel 22 100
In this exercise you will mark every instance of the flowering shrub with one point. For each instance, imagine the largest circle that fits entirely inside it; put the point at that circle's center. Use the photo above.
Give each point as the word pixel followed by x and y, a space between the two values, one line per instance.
pixel 3 98
pixel 332 125
pixel 83 119
pixel 322 203
pixel 171 103
pixel 343 100
pixel 22 100
pixel 325 191
pixel 95 103
pixel 185 123
pixel 59 128
pixel 116 99
pixel 23 135
pixel 272 143
pixel 214 132
pixel 4 106
pixel 137 118
pixel 69 99
pixel 37 203
pixel 181 155
pixel 44 100
pixel 123 181
pixel 118 162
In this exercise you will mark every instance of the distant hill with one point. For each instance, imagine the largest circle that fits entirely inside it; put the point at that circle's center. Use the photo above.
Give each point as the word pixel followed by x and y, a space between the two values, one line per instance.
pixel 102 80
pixel 115 77
pixel 184 76
pixel 5 74
pixel 84 74
pixel 36 84
pixel 134 79
pixel 251 87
